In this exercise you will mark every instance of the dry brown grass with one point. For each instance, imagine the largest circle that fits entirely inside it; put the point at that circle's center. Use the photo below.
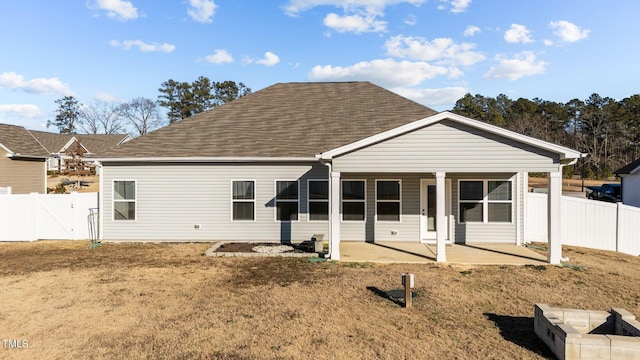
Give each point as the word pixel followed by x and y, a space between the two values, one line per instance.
pixel 168 301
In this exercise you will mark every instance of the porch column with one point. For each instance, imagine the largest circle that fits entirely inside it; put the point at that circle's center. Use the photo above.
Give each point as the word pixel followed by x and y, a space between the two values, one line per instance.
pixel 334 213
pixel 441 220
pixel 554 205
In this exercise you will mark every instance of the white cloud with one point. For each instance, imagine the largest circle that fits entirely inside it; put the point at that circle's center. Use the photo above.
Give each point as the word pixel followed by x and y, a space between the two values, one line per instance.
pixel 118 9
pixel 355 23
pixel 106 97
pixel 142 46
pixel 219 56
pixel 471 30
pixel 568 32
pixel 444 51
pixel 518 34
pixel 202 10
pixel 28 111
pixel 14 81
pixel 385 72
pixel 457 6
pixel 522 64
pixel 433 97
pixel 410 20
pixel 269 59
pixel 297 6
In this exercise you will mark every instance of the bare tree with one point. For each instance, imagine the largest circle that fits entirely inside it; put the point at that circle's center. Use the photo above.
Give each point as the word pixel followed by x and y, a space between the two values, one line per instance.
pixel 142 114
pixel 101 118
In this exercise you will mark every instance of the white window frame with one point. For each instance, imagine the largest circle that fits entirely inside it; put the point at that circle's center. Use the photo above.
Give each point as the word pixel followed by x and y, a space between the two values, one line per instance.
pixel 114 200
pixel 485 202
pixel 309 200
pixel 342 201
pixel 276 201
pixel 243 200
pixel 399 201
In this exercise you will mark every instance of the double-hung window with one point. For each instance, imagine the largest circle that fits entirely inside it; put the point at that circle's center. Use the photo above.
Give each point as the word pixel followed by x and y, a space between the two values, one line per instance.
pixel 485 201
pixel 318 193
pixel 353 200
pixel 124 200
pixel 286 200
pixel 388 203
pixel 243 197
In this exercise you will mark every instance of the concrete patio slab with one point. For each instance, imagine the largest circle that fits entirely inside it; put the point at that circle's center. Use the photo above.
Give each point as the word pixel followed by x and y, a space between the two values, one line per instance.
pixel 415 252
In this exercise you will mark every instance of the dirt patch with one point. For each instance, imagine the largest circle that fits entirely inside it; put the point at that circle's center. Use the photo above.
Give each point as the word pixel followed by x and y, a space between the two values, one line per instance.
pixel 170 301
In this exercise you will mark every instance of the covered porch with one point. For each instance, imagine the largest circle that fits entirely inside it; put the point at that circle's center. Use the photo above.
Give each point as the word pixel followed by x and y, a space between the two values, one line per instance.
pixel 419 253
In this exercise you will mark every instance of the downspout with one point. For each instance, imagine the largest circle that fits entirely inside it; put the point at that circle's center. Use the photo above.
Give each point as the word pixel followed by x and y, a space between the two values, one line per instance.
pixel 99 168
pixel 330 166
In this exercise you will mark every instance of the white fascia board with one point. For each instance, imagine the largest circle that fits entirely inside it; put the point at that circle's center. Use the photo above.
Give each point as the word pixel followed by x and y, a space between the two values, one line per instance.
pixel 9 152
pixel 203 159
pixel 66 146
pixel 564 152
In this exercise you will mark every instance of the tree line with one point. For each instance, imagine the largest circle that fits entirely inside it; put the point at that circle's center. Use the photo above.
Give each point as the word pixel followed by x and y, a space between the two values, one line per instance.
pixel 608 131
pixel 142 115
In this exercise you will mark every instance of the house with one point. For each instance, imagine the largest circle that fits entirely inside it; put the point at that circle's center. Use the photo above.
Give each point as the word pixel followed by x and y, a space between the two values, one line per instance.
pixel 22 161
pixel 63 147
pixel 350 160
pixel 630 175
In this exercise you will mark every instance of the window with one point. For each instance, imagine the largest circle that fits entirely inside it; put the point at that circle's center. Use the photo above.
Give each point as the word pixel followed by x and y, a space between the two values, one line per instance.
pixel 124 200
pixel 499 201
pixel 243 197
pixel 286 200
pixel 388 200
pixel 353 200
pixel 318 193
pixel 485 201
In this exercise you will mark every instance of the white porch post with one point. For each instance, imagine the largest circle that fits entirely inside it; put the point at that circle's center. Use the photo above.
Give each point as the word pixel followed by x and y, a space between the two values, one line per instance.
pixel 554 204
pixel 441 220
pixel 334 222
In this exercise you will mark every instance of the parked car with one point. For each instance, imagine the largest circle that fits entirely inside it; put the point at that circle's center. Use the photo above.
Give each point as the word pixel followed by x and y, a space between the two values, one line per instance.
pixel 606 192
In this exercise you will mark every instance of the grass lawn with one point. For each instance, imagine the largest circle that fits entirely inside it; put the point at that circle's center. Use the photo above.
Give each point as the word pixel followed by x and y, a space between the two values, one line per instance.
pixel 157 301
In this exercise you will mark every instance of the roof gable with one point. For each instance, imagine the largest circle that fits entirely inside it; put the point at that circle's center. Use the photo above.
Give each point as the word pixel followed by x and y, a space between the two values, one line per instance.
pixel 630 168
pixel 290 120
pixel 563 152
pixel 19 142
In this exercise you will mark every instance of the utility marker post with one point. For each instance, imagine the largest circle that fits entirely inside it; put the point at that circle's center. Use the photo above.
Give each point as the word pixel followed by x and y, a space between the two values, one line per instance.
pixel 407 281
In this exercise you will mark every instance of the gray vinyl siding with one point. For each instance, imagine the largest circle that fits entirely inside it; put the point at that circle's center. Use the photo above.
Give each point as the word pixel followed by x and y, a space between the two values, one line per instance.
pixel 173 198
pixel 450 147
pixel 408 229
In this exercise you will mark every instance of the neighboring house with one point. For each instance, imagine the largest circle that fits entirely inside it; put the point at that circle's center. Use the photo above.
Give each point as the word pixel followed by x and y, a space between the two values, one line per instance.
pixel 349 160
pixel 630 175
pixel 22 161
pixel 63 146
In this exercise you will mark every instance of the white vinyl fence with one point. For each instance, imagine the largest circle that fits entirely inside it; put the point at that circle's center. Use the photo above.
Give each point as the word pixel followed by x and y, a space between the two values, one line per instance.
pixel 587 223
pixel 46 216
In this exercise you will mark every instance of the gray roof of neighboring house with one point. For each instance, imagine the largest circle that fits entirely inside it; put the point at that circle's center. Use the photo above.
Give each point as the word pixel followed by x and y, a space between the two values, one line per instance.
pixel 19 141
pixel 282 120
pixel 628 169
pixel 94 143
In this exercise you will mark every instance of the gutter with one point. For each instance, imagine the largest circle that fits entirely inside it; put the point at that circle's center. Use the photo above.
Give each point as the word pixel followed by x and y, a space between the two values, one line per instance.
pixel 202 159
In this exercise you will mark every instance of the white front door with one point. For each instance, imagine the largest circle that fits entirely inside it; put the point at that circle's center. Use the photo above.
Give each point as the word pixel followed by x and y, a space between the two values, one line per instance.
pixel 428 210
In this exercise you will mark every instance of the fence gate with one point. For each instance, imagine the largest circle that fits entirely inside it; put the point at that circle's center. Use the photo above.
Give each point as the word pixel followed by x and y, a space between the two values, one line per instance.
pixel 46 216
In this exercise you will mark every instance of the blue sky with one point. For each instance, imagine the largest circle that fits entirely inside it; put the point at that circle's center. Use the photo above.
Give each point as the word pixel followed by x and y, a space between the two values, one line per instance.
pixel 432 51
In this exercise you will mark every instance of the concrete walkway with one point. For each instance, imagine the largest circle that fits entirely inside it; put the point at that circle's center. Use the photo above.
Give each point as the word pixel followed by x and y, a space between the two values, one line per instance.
pixel 415 252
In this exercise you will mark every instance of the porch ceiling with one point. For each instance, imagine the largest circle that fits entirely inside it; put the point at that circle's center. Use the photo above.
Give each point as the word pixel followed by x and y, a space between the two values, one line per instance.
pixel 415 252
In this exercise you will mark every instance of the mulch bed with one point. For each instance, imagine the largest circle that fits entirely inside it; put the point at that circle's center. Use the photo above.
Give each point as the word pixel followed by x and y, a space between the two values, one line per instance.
pixel 304 247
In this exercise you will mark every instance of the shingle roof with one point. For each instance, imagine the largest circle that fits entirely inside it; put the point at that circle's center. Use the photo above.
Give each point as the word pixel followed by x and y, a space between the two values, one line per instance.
pixel 94 143
pixel 628 169
pixel 53 142
pixel 283 120
pixel 19 141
